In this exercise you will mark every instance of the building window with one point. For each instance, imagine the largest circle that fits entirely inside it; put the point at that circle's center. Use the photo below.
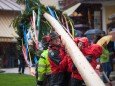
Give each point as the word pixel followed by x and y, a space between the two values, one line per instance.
pixel 97 19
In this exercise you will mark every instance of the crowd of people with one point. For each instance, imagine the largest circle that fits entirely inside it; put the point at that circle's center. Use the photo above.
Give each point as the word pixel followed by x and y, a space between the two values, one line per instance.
pixel 56 68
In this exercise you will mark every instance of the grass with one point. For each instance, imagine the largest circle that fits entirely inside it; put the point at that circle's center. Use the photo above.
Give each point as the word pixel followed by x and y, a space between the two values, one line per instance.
pixel 7 79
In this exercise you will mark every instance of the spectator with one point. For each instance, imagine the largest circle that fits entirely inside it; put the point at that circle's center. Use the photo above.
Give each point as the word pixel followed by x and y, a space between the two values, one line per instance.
pixel 105 62
pixel 21 64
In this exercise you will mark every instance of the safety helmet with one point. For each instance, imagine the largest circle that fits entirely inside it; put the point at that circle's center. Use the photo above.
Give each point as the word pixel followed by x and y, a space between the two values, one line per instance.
pixel 53 35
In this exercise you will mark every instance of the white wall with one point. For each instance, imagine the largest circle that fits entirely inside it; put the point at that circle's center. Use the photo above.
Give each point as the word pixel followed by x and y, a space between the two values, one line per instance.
pixel 104 13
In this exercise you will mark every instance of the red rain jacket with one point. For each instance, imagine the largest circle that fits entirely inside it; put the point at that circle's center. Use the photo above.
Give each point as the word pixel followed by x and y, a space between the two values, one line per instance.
pixel 75 73
pixel 61 64
pixel 94 50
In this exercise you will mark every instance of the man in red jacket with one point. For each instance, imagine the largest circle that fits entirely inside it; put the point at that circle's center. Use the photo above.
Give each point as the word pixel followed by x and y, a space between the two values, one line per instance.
pixel 57 59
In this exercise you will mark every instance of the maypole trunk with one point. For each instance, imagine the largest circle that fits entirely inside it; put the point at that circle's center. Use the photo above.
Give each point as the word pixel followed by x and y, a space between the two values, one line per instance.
pixel 87 72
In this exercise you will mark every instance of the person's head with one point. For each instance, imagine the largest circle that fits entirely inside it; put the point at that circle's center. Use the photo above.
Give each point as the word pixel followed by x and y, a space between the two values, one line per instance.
pixel 55 38
pixel 80 45
pixel 83 42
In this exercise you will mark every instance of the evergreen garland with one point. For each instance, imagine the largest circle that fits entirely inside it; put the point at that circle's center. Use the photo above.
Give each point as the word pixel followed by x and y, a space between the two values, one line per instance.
pixel 24 19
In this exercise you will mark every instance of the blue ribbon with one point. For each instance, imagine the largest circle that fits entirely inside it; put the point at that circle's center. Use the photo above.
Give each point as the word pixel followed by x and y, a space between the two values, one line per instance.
pixel 27 4
pixel 25 39
pixel 51 12
pixel 35 60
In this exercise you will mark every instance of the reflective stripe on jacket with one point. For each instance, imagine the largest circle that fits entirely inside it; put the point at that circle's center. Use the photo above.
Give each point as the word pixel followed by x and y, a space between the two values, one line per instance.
pixel 43 66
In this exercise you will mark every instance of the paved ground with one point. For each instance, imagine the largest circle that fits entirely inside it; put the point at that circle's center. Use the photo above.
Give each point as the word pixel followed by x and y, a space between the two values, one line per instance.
pixel 15 70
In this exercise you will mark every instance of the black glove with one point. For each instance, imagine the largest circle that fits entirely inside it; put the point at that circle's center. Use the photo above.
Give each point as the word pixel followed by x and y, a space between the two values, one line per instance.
pixel 89 58
pixel 39 83
pixel 74 67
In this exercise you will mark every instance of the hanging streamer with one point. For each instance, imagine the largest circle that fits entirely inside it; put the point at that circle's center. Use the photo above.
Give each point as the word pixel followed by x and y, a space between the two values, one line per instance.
pixel 72 29
pixel 25 38
pixel 38 21
pixel 57 16
pixel 53 15
pixel 51 12
pixel 30 60
pixel 34 24
pixel 25 51
pixel 32 71
pixel 66 22
pixel 26 59
pixel 27 5
pixel 35 60
pixel 62 20
pixel 34 28
pixel 63 26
